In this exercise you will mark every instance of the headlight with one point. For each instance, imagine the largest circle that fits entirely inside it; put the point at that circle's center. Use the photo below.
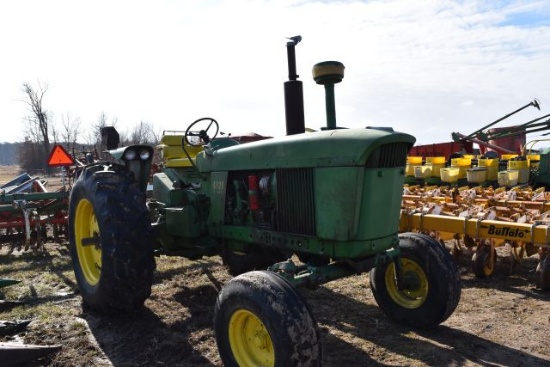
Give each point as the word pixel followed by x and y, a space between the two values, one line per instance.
pixel 130 155
pixel 144 155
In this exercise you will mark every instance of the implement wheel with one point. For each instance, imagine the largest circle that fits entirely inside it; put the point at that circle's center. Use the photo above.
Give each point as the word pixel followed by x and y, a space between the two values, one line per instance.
pixel 110 239
pixel 430 286
pixel 261 320
pixel 542 273
pixel 484 261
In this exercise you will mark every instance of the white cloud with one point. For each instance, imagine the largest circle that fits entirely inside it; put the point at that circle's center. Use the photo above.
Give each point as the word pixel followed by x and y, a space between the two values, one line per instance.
pixel 427 68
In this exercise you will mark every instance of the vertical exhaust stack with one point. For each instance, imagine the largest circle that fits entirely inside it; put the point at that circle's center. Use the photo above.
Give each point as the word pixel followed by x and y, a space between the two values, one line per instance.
pixel 328 73
pixel 294 95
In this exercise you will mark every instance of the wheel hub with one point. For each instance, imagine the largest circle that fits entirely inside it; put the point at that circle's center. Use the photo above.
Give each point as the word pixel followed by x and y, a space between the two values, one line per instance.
pixel 412 289
pixel 87 242
pixel 260 340
pixel 250 341
pixel 410 282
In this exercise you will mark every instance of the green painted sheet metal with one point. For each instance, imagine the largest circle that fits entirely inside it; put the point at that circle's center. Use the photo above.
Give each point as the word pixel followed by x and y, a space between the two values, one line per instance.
pixel 337 201
pixel 380 203
pixel 334 249
pixel 356 203
pixel 335 148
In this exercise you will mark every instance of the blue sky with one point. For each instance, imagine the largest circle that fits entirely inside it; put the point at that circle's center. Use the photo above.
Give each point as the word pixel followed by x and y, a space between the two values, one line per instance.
pixel 423 67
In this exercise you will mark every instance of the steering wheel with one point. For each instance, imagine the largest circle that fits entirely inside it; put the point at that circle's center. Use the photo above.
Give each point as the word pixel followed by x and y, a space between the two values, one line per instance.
pixel 204 138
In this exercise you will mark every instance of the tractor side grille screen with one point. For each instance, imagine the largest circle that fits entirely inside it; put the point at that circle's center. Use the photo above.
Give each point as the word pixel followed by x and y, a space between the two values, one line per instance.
pixel 295 201
pixel 389 156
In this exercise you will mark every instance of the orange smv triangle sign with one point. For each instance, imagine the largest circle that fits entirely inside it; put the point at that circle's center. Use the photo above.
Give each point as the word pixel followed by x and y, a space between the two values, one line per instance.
pixel 59 157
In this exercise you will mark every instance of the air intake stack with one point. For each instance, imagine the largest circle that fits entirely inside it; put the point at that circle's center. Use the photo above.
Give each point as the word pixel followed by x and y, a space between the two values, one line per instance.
pixel 329 73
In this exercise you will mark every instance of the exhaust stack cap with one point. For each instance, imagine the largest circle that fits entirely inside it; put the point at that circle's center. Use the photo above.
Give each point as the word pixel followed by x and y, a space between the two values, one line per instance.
pixel 328 72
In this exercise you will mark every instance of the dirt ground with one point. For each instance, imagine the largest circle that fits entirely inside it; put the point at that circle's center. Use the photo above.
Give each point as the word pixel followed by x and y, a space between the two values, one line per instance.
pixel 500 321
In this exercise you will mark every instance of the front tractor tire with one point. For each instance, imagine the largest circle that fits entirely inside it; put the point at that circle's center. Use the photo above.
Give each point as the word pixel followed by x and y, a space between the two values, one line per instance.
pixel 430 285
pixel 261 320
pixel 110 239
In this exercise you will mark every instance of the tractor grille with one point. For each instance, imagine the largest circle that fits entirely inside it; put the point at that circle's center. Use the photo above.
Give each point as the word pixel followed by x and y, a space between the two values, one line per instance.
pixel 295 201
pixel 389 156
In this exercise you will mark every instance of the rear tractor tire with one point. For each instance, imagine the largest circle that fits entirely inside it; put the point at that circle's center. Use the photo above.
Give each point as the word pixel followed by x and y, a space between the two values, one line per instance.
pixel 430 287
pixel 261 320
pixel 110 239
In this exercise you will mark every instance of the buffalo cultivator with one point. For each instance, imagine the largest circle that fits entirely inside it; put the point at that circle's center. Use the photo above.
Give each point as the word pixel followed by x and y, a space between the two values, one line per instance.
pixel 483 219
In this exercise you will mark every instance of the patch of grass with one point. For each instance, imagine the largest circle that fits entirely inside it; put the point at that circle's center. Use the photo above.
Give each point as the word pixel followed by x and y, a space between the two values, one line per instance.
pixel 42 277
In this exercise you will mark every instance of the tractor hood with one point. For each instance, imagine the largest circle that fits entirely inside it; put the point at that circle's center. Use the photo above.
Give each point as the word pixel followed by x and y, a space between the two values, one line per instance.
pixel 331 148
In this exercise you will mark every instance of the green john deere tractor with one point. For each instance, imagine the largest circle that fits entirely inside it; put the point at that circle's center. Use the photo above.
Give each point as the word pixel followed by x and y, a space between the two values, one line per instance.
pixel 283 213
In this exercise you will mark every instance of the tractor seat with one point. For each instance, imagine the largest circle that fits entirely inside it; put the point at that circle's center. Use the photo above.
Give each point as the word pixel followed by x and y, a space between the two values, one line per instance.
pixel 172 152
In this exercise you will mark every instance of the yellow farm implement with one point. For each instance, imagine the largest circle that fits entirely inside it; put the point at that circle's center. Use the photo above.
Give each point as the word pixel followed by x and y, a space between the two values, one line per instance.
pixel 483 218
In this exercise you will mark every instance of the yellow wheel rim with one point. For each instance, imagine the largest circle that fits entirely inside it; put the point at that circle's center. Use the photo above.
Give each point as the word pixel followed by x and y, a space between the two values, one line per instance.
pixel 489 264
pixel 415 284
pixel 88 250
pixel 488 268
pixel 249 340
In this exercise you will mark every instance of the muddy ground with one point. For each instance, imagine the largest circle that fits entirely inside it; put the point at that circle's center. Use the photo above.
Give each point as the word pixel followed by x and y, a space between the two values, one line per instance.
pixel 500 321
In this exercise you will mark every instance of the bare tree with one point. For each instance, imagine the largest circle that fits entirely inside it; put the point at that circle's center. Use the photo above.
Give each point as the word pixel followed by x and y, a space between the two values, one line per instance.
pixel 70 130
pixel 54 133
pixel 92 138
pixel 29 155
pixel 32 133
pixel 143 133
pixel 38 121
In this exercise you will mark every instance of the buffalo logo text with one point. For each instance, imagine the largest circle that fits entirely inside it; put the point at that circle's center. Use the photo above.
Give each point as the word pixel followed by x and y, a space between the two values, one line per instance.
pixel 506 231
